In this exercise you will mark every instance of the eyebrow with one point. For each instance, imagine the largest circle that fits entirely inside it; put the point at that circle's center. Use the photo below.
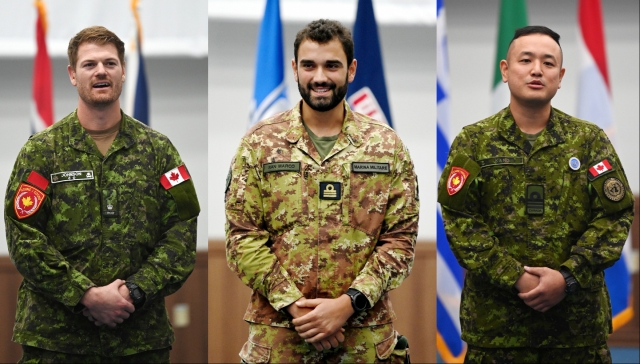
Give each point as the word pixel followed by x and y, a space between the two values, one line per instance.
pixel 329 62
pixel 531 54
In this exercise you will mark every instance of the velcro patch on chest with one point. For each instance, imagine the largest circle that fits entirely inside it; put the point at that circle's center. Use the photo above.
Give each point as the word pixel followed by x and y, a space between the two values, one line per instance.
pixel 601 168
pixel 174 177
pixel 370 167
pixel 27 201
pixel 280 167
pixel 69 176
pixel 457 178
pixel 330 190
pixel 500 160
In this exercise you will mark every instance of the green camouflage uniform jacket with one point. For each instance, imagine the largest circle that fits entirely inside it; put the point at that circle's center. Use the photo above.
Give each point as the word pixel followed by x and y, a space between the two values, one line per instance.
pixel 298 226
pixel 68 232
pixel 507 204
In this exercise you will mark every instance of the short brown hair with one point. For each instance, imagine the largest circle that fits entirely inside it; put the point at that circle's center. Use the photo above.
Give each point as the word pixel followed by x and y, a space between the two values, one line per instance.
pixel 323 31
pixel 97 35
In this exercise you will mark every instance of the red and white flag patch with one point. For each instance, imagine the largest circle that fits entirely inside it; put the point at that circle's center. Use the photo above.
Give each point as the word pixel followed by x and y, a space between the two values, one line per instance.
pixel 174 177
pixel 457 178
pixel 599 168
pixel 27 201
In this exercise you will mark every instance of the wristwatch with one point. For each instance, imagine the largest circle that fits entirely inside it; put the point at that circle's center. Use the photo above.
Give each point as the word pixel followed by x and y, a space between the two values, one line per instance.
pixel 359 301
pixel 572 284
pixel 136 294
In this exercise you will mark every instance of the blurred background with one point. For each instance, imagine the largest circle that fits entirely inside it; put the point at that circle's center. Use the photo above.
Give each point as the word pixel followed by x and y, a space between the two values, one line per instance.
pixel 174 48
pixel 407 37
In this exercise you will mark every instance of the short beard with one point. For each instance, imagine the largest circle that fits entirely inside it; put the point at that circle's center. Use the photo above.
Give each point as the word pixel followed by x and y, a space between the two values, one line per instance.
pixel 321 105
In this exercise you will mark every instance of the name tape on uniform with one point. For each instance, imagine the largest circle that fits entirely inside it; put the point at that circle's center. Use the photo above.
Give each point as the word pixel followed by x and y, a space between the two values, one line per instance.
pixel 370 167
pixel 174 177
pixel 281 166
pixel 500 160
pixel 70 176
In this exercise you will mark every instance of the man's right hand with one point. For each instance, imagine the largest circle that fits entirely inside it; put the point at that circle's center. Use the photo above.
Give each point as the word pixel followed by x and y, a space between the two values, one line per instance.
pixel 527 282
pixel 329 342
pixel 106 305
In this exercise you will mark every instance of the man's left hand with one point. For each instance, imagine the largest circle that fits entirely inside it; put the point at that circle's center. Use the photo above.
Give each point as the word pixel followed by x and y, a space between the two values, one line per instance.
pixel 548 293
pixel 327 317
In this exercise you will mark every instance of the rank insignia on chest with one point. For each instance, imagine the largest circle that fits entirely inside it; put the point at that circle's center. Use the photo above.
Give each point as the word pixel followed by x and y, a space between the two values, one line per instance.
pixel 599 169
pixel 27 201
pixel 457 178
pixel 330 190
pixel 174 177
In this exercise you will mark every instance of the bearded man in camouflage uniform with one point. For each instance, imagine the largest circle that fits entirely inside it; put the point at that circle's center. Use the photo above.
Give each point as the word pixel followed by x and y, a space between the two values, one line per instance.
pixel 100 218
pixel 535 205
pixel 322 217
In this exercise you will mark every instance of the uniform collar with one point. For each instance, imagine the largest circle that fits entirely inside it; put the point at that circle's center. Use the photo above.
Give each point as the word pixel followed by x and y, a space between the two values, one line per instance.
pixel 552 134
pixel 81 140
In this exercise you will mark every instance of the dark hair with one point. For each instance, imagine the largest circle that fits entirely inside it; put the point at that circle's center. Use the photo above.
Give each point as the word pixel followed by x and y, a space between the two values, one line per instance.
pixel 323 31
pixel 97 35
pixel 536 29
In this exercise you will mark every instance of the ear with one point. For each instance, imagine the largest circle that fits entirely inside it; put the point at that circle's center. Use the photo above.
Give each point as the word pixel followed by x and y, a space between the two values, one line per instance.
pixel 123 72
pixel 504 67
pixel 295 69
pixel 561 75
pixel 72 75
pixel 352 70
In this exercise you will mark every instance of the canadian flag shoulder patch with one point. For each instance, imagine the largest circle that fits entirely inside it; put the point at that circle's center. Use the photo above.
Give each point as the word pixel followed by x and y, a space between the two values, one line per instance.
pixel 174 177
pixel 599 169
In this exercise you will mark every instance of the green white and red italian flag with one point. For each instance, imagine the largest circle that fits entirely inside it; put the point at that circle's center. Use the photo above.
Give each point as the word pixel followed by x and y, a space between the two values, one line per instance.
pixel 513 15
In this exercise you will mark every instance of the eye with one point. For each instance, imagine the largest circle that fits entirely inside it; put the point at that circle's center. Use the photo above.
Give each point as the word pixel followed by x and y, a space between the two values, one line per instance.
pixel 525 60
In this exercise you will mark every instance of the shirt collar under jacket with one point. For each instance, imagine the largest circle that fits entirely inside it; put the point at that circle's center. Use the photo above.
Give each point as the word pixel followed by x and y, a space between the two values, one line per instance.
pixel 81 140
pixel 553 134
pixel 349 126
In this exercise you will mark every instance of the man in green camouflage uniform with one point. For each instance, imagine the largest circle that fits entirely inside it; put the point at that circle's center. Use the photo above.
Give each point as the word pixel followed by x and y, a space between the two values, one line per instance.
pixel 94 201
pixel 322 216
pixel 535 205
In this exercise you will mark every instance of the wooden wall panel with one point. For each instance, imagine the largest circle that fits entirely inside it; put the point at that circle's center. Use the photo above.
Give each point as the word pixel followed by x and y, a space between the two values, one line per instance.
pixel 191 341
pixel 414 303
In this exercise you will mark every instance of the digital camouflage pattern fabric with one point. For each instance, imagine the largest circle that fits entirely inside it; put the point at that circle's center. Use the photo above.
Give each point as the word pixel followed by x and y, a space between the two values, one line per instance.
pixel 103 218
pixel 533 205
pixel 298 226
pixel 375 344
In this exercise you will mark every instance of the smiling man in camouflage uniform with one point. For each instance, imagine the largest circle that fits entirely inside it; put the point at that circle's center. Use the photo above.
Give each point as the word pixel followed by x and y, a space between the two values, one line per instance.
pixel 322 216
pixel 536 205
pixel 100 216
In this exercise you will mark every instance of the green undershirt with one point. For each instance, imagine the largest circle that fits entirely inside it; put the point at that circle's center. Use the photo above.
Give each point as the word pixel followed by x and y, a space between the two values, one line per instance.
pixel 323 144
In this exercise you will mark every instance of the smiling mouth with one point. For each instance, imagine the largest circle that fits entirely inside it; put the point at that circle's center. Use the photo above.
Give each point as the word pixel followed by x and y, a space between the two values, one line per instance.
pixel 101 85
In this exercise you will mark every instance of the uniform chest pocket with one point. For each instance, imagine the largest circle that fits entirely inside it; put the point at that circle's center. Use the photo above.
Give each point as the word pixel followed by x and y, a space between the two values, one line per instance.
pixel 366 199
pixel 284 195
pixel 75 209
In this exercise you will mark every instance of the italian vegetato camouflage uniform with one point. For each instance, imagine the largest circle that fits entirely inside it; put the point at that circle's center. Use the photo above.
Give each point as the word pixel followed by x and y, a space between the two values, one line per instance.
pixel 300 226
pixel 563 202
pixel 76 219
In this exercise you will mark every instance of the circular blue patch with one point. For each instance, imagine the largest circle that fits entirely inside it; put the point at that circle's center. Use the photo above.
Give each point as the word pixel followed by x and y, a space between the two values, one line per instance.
pixel 574 163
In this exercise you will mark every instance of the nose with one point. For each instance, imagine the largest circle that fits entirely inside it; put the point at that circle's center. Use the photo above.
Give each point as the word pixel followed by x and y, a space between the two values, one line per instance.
pixel 100 69
pixel 536 69
pixel 320 76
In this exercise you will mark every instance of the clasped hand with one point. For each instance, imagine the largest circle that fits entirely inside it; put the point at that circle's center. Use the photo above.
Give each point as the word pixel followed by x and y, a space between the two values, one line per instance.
pixel 319 321
pixel 541 288
pixel 108 305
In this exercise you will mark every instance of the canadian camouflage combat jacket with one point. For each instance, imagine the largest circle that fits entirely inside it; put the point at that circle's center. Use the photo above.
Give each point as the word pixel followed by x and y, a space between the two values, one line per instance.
pixel 298 226
pixel 88 220
pixel 507 204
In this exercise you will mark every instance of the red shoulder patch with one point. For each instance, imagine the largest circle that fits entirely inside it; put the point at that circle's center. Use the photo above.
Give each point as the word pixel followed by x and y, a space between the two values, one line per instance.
pixel 36 179
pixel 174 177
pixel 27 201
pixel 457 178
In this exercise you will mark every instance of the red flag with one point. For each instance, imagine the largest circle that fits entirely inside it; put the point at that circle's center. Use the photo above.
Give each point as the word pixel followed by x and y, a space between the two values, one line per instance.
pixel 42 94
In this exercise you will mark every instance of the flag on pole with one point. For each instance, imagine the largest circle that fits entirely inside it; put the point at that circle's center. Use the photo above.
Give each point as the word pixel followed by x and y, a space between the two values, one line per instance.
pixel 367 94
pixel 594 104
pixel 137 90
pixel 450 275
pixel 270 92
pixel 42 88
pixel 513 15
